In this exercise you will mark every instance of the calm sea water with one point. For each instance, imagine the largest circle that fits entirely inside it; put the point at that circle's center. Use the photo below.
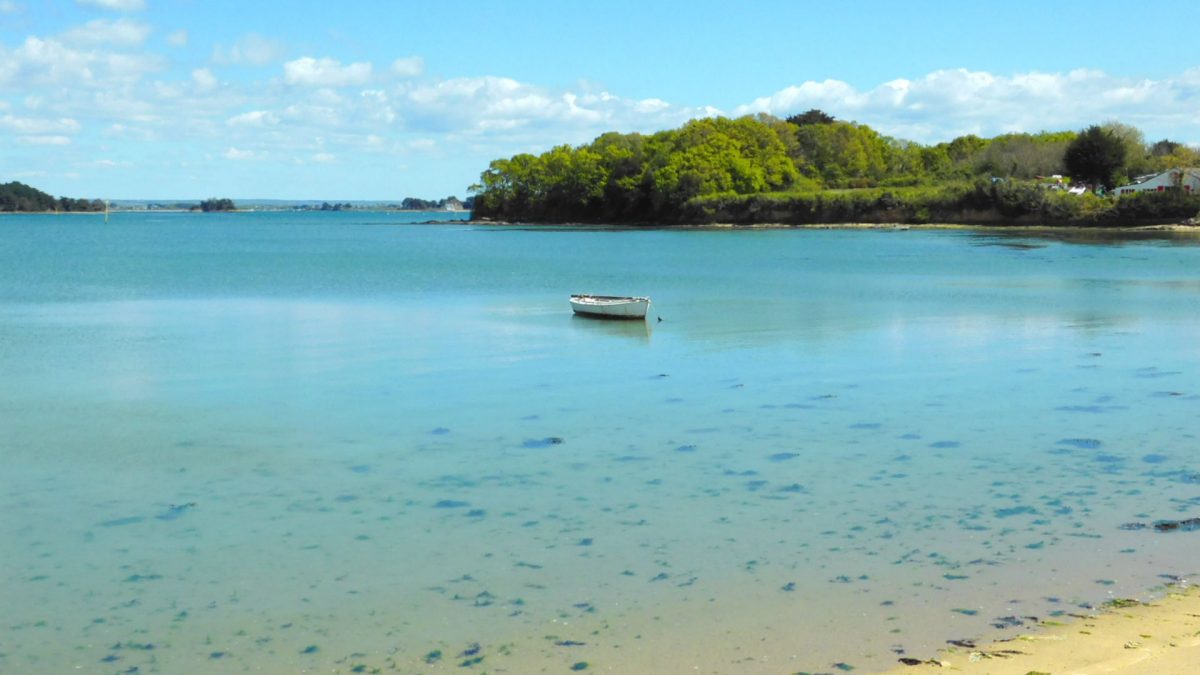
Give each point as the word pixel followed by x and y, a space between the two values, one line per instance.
pixel 347 443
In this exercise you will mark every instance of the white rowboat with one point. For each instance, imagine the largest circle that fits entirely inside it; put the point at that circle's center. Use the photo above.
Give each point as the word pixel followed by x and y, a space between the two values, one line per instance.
pixel 610 306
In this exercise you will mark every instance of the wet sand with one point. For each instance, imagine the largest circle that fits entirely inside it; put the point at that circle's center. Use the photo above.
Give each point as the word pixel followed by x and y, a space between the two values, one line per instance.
pixel 1161 637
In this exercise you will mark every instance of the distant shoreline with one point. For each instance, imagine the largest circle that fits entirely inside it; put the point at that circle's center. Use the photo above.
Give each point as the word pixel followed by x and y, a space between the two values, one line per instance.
pixel 1183 227
pixel 1189 227
pixel 115 211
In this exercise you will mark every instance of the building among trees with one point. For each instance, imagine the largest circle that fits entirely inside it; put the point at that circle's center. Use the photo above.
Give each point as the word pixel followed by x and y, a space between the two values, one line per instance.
pixel 1187 180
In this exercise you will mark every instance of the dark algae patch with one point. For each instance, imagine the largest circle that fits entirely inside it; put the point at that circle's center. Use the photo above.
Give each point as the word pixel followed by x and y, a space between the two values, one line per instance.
pixel 1186 525
pixel 1081 443
pixel 118 522
pixel 1014 511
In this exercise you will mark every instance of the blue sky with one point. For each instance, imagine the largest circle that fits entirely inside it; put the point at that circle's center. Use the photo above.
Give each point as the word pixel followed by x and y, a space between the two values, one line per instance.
pixel 172 99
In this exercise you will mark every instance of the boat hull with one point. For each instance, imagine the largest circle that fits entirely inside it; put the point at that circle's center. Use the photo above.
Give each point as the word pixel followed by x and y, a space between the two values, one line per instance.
pixel 610 307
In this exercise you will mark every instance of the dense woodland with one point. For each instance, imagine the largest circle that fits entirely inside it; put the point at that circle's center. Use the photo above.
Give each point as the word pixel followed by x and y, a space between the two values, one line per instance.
pixel 814 168
pixel 16 196
pixel 215 204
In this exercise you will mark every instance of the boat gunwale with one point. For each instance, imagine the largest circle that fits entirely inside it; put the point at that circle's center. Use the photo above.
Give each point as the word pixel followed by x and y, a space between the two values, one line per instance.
pixel 584 297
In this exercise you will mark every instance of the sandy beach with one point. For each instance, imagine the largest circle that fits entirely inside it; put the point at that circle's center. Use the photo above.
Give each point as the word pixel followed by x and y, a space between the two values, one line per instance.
pixel 1160 637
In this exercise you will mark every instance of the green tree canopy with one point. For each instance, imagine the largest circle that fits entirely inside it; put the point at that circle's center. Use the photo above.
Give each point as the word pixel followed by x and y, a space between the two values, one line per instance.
pixel 17 196
pixel 813 116
pixel 1095 156
pixel 679 173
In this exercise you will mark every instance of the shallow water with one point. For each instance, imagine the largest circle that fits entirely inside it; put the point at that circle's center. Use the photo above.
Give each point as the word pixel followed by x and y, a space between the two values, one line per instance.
pixel 307 442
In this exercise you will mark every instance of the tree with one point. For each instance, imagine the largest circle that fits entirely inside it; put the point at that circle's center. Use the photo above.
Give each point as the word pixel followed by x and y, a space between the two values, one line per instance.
pixel 813 116
pixel 1164 147
pixel 843 153
pixel 1095 156
pixel 214 204
pixel 1137 155
pixel 1025 155
pixel 16 196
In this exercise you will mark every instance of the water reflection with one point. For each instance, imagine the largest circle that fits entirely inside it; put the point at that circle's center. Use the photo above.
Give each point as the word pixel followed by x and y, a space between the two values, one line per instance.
pixel 635 330
pixel 1031 239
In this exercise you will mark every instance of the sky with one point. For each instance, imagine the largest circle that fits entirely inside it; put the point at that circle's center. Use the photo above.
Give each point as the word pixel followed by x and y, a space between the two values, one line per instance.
pixel 366 100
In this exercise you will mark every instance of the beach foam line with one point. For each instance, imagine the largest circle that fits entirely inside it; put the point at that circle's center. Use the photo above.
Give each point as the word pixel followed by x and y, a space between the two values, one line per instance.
pixel 1161 637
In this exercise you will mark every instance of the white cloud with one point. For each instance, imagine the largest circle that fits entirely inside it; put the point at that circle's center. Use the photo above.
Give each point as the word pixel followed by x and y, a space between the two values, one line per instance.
pixel 44 140
pixel 947 103
pixel 178 38
pixel 204 79
pixel 115 5
pixel 28 125
pixel 49 61
pixel 497 106
pixel 376 106
pixel 119 32
pixel 9 7
pixel 254 118
pixel 409 66
pixel 240 155
pixel 251 49
pixel 325 72
pixel 323 158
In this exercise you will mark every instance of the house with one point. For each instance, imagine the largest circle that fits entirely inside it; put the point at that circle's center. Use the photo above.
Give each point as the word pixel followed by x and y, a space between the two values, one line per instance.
pixel 1187 179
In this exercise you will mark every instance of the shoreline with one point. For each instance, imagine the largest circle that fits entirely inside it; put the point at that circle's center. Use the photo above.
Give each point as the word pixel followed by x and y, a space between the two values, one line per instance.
pixel 1183 227
pixel 1125 636
pixel 1189 227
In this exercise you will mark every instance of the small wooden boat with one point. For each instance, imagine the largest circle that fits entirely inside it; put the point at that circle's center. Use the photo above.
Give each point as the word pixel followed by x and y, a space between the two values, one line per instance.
pixel 610 306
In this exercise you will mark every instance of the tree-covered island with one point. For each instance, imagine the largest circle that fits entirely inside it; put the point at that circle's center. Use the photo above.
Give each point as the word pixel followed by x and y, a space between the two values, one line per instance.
pixel 215 204
pixel 812 168
pixel 16 197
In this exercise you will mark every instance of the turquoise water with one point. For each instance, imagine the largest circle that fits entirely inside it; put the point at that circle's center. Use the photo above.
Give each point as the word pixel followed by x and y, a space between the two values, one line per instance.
pixel 285 443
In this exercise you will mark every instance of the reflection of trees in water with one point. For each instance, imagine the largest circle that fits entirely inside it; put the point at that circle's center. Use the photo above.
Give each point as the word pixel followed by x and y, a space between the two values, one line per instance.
pixel 1033 239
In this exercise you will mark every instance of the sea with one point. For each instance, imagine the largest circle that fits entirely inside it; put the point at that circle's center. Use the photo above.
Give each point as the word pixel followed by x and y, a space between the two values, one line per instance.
pixel 348 442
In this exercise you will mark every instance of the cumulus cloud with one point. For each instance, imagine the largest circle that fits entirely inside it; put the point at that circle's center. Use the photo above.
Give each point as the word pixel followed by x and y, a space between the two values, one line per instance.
pixel 409 66
pixel 503 110
pixel 44 140
pixel 204 79
pixel 240 155
pixel 178 38
pixel 254 118
pixel 119 32
pixel 115 5
pixel 325 72
pixel 82 92
pixel 28 125
pixel 948 103
pixel 251 49
pixel 9 7
pixel 49 61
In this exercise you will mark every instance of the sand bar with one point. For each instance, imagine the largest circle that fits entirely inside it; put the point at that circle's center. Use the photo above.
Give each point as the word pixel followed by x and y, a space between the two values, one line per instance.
pixel 1160 637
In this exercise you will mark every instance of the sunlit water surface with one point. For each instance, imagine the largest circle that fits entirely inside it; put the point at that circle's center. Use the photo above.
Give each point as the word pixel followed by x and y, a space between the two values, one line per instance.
pixel 339 443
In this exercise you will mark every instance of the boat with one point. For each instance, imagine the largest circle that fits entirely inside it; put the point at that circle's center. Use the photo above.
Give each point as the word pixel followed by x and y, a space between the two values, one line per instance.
pixel 610 306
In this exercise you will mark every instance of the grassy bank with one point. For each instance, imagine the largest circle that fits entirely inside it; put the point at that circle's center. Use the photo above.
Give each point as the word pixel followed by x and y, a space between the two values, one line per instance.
pixel 980 203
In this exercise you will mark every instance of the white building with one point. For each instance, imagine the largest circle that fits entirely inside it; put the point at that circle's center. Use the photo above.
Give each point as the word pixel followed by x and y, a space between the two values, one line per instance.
pixel 1188 179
